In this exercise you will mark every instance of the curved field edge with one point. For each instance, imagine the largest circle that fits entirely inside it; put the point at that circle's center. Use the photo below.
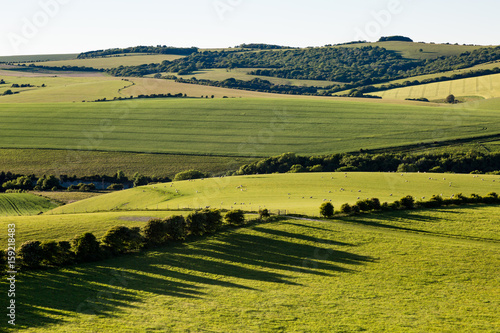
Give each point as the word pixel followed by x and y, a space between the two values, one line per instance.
pixel 301 193
pixel 236 127
pixel 18 204
pixel 289 276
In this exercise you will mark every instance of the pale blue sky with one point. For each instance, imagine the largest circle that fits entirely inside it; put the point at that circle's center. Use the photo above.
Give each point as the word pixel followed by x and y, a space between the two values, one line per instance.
pixel 71 26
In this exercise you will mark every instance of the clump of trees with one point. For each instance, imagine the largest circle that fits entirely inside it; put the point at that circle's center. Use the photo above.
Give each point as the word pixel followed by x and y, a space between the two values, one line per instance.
pixel 159 49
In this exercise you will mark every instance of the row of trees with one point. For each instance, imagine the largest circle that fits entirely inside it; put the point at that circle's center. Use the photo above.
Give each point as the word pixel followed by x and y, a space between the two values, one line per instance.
pixel 16 182
pixel 388 162
pixel 408 202
pixel 120 239
pixel 255 85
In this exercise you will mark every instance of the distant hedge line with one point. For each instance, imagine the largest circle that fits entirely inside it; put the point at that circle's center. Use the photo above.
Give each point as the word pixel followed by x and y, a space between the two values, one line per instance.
pixel 471 162
pixel 120 240
pixel 408 202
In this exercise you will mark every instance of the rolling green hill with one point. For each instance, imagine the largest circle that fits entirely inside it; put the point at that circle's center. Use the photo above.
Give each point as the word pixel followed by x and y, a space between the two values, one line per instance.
pixel 375 275
pixel 18 204
pixel 294 193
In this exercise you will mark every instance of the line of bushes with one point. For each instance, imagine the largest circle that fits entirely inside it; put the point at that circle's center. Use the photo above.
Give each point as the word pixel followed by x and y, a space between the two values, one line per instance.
pixel 470 162
pixel 408 202
pixel 120 240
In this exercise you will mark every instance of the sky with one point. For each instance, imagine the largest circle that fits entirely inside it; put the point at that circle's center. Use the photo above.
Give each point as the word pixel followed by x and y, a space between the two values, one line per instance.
pixel 73 26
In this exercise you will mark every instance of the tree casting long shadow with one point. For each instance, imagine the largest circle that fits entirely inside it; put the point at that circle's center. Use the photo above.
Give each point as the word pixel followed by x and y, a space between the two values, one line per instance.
pixel 264 253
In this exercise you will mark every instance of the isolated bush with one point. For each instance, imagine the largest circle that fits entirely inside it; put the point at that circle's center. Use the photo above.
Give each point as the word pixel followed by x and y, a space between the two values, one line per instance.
pixel 50 252
pixel 407 202
pixel 3 260
pixel 196 223
pixel 297 168
pixel 86 187
pixel 115 187
pixel 155 232
pixel 326 209
pixel 31 254
pixel 345 208
pixel 86 247
pixel 213 220
pixel 190 174
pixel 450 99
pixel 46 183
pixel 264 214
pixel 139 180
pixel 375 203
pixel 316 168
pixel 235 217
pixel 175 228
pixel 65 255
pixel 122 239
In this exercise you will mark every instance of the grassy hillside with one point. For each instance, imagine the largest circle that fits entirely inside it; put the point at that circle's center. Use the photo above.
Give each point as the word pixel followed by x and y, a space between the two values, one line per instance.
pixel 238 127
pixel 487 86
pixel 18 204
pixel 295 193
pixel 114 61
pixel 65 227
pixel 286 276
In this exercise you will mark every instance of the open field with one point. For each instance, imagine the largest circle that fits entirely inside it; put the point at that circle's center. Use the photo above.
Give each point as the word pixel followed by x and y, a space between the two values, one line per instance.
pixel 111 62
pixel 39 57
pixel 487 86
pixel 87 163
pixel 296 193
pixel 221 74
pixel 65 227
pixel 236 127
pixel 286 276
pixel 83 86
pixel 19 204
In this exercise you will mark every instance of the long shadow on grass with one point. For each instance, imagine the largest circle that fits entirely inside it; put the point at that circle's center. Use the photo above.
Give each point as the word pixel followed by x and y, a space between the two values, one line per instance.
pixel 262 254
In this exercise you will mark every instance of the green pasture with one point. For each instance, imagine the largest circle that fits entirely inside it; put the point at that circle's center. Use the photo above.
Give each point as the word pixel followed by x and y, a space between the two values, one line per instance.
pixel 17 204
pixel 236 127
pixel 289 276
pixel 290 193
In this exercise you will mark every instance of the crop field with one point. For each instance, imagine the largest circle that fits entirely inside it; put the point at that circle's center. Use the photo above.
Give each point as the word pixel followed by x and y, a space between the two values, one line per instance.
pixel 18 204
pixel 83 86
pixel 487 86
pixel 65 227
pixel 235 127
pixel 86 163
pixel 290 193
pixel 111 62
pixel 344 276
